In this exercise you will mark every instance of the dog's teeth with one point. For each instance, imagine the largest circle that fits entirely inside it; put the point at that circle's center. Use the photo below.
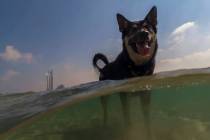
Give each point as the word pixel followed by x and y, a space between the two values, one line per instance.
pixel 147 46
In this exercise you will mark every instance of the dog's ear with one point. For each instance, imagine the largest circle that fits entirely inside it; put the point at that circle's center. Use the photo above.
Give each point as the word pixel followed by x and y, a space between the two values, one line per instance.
pixel 122 22
pixel 152 16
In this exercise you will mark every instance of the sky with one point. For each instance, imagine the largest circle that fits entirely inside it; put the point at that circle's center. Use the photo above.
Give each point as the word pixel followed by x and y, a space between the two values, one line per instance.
pixel 64 35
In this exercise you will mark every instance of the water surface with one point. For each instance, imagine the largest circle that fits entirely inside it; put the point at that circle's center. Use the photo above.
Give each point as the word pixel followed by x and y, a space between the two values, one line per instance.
pixel 179 110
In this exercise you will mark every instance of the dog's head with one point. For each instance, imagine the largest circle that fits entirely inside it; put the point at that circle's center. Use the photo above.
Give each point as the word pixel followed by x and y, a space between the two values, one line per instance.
pixel 139 37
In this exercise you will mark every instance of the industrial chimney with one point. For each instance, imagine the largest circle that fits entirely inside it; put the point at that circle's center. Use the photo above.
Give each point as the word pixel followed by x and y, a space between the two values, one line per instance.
pixel 49 78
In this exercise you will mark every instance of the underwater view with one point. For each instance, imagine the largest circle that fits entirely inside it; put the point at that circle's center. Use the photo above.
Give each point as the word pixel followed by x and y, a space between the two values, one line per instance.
pixel 178 110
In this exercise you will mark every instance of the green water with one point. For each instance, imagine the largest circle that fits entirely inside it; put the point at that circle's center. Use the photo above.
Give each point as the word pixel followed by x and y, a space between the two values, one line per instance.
pixel 178 111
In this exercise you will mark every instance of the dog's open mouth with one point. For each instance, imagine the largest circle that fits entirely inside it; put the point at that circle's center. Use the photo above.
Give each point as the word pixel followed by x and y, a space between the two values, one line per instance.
pixel 141 48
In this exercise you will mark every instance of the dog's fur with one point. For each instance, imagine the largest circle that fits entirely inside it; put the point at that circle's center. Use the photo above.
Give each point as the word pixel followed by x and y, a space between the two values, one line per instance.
pixel 136 59
pixel 139 49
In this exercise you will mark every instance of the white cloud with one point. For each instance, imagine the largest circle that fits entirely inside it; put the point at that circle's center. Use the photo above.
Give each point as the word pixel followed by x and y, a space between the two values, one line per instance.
pixel 194 60
pixel 181 34
pixel 188 46
pixel 11 54
pixel 9 75
pixel 183 28
pixel 14 55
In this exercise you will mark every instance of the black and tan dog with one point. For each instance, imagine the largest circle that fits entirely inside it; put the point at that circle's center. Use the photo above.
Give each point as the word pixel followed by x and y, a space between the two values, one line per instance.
pixel 138 53
pixel 139 49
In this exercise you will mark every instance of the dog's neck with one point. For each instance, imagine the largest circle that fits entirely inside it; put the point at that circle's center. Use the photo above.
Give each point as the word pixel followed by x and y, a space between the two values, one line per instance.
pixel 136 70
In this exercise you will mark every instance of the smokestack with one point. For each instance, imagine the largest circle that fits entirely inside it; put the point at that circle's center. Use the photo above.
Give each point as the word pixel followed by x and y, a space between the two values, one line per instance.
pixel 49 78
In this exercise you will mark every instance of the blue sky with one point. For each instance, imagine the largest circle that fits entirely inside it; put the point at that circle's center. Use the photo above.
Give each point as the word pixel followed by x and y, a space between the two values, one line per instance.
pixel 36 35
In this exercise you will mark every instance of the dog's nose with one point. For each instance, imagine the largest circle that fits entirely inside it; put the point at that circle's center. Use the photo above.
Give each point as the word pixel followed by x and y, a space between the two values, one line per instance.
pixel 144 35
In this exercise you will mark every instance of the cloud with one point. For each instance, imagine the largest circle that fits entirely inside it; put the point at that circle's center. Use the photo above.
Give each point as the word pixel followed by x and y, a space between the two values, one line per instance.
pixel 194 60
pixel 183 28
pixel 181 34
pixel 28 57
pixel 9 75
pixel 13 55
pixel 188 46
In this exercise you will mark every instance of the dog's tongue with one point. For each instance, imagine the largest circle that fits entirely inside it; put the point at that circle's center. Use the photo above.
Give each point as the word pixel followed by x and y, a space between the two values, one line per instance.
pixel 143 50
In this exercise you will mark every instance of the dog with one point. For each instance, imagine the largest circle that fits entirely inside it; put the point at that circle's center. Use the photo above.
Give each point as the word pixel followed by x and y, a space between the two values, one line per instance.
pixel 139 49
pixel 139 39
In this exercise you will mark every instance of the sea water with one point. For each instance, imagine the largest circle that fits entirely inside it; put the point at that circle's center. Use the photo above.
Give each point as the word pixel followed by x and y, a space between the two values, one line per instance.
pixel 179 109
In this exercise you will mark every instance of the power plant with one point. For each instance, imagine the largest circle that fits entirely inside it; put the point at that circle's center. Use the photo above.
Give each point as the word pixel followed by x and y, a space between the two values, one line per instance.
pixel 49 78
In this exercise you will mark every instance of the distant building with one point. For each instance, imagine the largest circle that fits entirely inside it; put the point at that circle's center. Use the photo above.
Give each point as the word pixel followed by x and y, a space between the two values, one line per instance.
pixel 49 79
pixel 60 86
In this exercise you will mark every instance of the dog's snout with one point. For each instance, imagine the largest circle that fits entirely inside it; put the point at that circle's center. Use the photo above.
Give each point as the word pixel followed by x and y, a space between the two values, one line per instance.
pixel 143 35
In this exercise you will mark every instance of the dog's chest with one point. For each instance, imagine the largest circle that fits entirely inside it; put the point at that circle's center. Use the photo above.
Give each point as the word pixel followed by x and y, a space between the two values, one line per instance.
pixel 118 71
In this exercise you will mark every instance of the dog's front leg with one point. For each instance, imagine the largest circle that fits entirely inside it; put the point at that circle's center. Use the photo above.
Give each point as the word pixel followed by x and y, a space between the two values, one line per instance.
pixel 125 108
pixel 104 103
pixel 145 99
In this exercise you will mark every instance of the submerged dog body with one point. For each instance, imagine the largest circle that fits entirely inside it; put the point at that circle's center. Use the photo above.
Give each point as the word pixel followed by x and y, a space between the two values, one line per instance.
pixel 139 49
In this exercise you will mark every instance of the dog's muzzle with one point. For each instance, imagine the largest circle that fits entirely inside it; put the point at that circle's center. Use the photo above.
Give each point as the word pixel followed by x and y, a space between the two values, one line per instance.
pixel 141 43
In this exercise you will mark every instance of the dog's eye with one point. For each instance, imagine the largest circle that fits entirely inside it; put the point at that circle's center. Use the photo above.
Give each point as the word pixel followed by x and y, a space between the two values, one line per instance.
pixel 144 24
pixel 148 28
